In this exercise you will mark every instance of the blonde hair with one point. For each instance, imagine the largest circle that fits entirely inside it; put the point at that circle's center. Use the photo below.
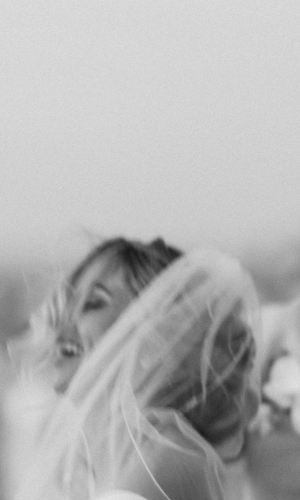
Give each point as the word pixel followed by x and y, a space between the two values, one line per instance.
pixel 170 370
pixel 140 263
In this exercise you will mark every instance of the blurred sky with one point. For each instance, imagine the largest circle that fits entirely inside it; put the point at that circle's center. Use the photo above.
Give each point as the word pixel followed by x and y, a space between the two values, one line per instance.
pixel 147 117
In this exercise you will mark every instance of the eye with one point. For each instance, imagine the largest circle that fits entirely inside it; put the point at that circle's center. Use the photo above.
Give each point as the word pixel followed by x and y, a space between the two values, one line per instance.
pixel 97 298
pixel 94 303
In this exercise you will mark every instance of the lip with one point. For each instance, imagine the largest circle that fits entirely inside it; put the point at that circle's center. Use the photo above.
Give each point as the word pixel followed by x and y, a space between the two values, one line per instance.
pixel 68 349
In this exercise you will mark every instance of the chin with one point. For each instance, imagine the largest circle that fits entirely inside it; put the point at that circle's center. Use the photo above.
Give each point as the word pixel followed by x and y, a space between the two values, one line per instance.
pixel 61 382
pixel 61 387
pixel 63 376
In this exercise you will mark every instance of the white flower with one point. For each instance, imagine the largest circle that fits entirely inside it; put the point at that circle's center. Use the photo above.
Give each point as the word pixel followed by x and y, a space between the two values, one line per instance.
pixel 283 385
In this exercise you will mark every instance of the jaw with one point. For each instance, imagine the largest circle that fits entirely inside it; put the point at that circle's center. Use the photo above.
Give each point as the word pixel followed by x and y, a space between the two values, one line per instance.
pixel 64 370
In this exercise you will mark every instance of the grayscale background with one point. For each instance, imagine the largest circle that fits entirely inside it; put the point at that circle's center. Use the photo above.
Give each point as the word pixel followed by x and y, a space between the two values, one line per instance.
pixel 178 118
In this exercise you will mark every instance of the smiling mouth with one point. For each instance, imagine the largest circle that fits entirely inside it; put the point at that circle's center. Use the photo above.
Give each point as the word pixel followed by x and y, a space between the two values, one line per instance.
pixel 69 349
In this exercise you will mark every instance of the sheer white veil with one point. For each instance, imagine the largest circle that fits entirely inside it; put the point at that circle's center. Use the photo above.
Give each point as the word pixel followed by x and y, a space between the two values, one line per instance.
pixel 131 399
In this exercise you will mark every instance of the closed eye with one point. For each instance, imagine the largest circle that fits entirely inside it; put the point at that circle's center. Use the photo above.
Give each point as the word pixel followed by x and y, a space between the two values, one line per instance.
pixel 94 304
pixel 98 297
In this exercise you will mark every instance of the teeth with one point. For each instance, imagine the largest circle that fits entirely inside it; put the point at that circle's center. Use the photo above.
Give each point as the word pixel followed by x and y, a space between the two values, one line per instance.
pixel 70 349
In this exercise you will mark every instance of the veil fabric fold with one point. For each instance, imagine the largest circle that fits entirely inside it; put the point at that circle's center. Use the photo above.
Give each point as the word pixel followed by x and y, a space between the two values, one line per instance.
pixel 126 420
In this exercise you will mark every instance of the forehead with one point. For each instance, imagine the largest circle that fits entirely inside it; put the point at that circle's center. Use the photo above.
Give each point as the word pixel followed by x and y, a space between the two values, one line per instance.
pixel 105 269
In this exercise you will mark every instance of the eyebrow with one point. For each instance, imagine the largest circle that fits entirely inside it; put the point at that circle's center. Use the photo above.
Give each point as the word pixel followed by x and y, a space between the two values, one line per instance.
pixel 99 286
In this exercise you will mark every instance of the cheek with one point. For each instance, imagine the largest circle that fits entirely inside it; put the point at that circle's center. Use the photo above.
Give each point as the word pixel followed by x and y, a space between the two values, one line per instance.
pixel 97 324
pixel 123 300
pixel 121 305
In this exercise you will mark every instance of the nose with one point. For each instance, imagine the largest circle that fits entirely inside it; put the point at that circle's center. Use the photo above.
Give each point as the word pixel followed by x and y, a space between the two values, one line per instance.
pixel 68 331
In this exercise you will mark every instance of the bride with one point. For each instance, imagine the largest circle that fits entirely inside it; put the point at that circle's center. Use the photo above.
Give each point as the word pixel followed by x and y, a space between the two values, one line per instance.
pixel 162 402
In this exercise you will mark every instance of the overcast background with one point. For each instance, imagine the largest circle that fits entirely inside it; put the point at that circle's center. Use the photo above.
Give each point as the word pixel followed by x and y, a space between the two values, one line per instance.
pixel 147 117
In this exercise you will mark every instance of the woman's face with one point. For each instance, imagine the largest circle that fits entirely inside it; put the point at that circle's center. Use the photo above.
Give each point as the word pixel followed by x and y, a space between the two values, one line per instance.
pixel 98 298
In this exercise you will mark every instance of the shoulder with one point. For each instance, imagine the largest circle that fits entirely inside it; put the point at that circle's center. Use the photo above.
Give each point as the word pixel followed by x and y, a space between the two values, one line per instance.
pixel 274 460
pixel 186 466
